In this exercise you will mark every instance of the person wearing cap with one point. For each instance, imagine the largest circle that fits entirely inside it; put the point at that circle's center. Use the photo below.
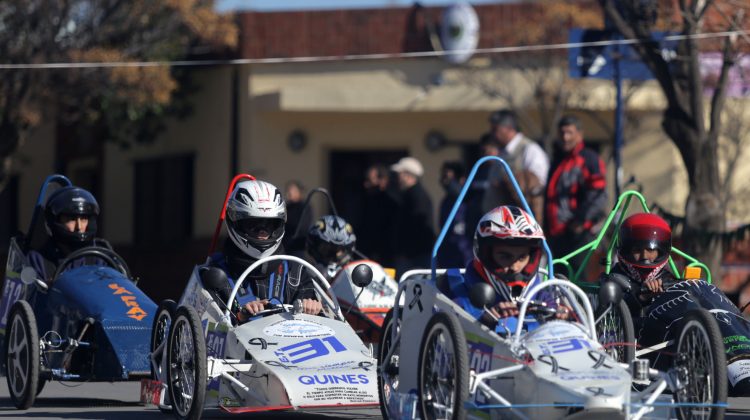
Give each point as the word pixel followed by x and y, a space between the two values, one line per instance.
pixel 414 229
pixel 526 159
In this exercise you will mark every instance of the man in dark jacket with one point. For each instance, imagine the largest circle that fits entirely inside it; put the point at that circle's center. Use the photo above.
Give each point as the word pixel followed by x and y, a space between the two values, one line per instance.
pixel 576 192
pixel 415 232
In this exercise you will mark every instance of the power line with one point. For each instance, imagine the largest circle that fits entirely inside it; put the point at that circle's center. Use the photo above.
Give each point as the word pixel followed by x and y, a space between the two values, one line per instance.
pixel 354 57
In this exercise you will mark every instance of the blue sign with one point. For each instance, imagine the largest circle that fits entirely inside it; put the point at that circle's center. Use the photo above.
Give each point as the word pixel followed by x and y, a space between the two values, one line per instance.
pixel 598 61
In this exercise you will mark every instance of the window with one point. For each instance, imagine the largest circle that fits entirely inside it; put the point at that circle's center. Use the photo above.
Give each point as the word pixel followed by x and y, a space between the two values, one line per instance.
pixel 163 202
pixel 8 212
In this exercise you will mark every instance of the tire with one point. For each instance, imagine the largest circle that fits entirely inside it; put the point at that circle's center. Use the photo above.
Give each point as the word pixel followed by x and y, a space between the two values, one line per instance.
pixel 614 328
pixel 452 378
pixel 22 355
pixel 186 365
pixel 40 386
pixel 701 364
pixel 165 313
pixel 387 377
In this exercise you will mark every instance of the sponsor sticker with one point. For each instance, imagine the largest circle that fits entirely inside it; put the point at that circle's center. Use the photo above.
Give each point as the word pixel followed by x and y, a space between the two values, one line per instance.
pixel 738 371
pixel 298 328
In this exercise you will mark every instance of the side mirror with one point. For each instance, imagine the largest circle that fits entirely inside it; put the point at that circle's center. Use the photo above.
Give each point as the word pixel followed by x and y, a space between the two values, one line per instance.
pixel 610 293
pixel 482 295
pixel 215 279
pixel 29 276
pixel 362 275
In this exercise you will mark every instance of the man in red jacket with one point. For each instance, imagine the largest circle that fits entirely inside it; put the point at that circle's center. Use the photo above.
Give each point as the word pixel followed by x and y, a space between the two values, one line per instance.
pixel 576 192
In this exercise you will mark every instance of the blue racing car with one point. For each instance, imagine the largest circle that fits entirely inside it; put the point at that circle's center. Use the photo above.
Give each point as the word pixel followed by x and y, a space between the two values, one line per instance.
pixel 84 321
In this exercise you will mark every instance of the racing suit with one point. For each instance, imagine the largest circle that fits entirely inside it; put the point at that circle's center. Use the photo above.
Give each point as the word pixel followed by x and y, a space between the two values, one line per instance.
pixel 46 260
pixel 278 281
pixel 459 287
pixel 637 305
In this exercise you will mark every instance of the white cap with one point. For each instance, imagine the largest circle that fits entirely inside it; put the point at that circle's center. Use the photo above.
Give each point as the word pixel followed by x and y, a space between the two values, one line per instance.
pixel 410 165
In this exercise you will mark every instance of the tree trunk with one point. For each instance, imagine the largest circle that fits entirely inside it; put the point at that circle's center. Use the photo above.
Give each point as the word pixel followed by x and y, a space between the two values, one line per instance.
pixel 704 215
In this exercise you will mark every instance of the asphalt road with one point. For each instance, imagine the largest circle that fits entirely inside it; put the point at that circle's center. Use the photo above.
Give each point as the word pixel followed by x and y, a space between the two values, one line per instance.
pixel 119 401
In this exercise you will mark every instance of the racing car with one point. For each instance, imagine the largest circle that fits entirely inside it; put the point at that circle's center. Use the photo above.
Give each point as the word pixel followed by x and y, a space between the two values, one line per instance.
pixel 281 359
pixel 89 322
pixel 437 362
pixel 691 316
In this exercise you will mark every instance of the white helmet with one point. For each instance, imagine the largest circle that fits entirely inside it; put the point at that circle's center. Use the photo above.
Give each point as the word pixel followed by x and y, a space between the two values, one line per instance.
pixel 252 208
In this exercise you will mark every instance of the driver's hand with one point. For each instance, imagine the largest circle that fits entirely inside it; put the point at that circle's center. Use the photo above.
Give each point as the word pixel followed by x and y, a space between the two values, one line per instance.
pixel 311 306
pixel 504 309
pixel 654 285
pixel 563 312
pixel 251 308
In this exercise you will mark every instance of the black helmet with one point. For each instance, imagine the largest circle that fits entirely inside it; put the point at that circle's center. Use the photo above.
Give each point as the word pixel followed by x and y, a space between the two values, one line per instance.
pixel 71 201
pixel 327 236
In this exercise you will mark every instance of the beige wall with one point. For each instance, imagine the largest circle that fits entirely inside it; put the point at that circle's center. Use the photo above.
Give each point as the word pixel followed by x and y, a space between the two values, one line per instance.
pixel 205 133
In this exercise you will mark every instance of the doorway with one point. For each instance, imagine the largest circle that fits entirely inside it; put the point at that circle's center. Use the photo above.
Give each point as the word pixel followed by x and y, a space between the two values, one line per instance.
pixel 347 175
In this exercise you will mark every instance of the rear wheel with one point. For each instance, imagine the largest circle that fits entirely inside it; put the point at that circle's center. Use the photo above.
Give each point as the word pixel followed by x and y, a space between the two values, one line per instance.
pixel 443 369
pixel 22 355
pixel 388 377
pixel 701 367
pixel 616 333
pixel 186 365
pixel 159 335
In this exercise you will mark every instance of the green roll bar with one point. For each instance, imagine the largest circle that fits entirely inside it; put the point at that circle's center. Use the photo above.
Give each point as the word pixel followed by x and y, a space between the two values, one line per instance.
pixel 619 211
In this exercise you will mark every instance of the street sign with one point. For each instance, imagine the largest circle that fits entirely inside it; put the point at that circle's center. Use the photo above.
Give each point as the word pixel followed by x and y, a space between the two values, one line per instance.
pixel 598 61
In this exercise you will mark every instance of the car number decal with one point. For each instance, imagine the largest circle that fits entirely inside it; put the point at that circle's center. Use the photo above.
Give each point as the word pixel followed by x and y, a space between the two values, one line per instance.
pixel 310 349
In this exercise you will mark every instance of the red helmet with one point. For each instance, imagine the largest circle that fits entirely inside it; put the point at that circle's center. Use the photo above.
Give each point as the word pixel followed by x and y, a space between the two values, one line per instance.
pixel 512 226
pixel 644 231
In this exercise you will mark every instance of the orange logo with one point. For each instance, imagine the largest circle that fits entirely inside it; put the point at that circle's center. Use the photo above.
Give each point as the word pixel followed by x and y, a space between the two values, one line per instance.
pixel 135 311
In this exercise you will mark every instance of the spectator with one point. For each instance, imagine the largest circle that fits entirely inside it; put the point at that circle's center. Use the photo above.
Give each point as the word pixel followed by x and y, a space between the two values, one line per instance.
pixel 376 236
pixel 576 193
pixel 294 195
pixel 526 159
pixel 414 232
pixel 456 249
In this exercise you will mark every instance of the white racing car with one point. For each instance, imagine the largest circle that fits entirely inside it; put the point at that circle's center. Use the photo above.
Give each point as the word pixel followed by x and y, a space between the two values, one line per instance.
pixel 280 360
pixel 436 361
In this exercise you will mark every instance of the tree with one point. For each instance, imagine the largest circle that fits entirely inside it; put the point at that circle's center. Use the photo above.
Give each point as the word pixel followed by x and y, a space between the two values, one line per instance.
pixel 124 103
pixel 690 122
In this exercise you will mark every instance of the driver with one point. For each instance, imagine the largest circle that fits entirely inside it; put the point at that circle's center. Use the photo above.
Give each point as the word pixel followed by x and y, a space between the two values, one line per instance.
pixel 330 243
pixel 507 255
pixel 255 218
pixel 70 220
pixel 643 246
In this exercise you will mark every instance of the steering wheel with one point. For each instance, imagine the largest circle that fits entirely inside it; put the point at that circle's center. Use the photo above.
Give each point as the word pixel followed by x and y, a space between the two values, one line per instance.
pixel 319 283
pixel 537 307
pixel 272 309
pixel 105 254
pixel 646 293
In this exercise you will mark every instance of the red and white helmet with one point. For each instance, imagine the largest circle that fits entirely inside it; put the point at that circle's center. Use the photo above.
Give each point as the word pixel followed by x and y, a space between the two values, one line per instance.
pixel 512 226
pixel 252 206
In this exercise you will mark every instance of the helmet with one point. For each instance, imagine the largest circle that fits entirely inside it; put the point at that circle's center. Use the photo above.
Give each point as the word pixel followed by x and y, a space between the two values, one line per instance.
pixel 327 237
pixel 71 201
pixel 255 206
pixel 644 231
pixel 512 226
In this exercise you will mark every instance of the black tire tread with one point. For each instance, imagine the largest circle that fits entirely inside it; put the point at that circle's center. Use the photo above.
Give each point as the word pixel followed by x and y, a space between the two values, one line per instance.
pixel 201 375
pixel 26 399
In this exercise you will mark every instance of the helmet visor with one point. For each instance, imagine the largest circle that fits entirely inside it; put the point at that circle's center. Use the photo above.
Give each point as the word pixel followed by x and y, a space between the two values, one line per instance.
pixel 257 228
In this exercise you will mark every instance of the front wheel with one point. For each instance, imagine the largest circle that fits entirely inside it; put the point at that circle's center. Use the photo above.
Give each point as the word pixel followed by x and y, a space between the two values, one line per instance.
pixel 186 365
pixel 388 376
pixel 615 332
pixel 22 355
pixel 701 367
pixel 443 369
pixel 165 313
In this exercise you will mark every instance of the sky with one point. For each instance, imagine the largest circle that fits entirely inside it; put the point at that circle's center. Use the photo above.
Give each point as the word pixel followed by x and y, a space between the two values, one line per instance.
pixel 276 5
